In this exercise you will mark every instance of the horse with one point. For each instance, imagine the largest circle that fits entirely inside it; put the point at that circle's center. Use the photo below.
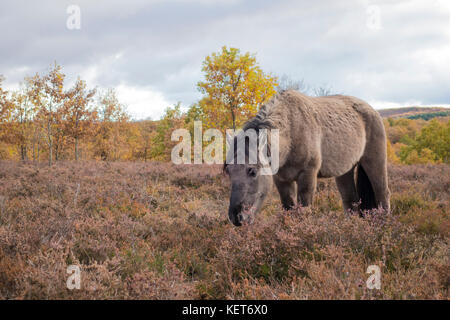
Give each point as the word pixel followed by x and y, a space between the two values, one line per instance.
pixel 337 136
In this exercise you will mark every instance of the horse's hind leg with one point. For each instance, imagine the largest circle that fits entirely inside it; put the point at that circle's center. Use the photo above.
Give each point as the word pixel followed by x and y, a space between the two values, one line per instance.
pixel 287 193
pixel 347 189
pixel 375 166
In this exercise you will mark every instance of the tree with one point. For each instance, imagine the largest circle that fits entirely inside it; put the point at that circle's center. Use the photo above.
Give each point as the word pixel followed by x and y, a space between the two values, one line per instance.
pixel 5 105
pixel 113 116
pixel 146 134
pixel 234 87
pixel 436 137
pixel 22 125
pixel 391 156
pixel 322 91
pixel 162 144
pixel 79 117
pixel 5 111
pixel 47 94
pixel 431 144
pixel 287 83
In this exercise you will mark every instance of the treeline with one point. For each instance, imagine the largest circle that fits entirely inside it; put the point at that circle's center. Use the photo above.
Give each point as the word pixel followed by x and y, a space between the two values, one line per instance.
pixel 418 141
pixel 45 120
pixel 430 115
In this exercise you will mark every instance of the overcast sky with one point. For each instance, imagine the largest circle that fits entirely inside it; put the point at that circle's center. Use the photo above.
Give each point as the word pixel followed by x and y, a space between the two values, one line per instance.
pixel 389 53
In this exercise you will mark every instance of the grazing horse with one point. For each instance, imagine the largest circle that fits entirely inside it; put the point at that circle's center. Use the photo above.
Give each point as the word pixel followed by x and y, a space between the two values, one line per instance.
pixel 319 137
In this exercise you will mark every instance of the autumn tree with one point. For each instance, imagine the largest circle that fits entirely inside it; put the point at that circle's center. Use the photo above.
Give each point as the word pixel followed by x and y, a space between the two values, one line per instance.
pixel 4 102
pixel 390 152
pixel 162 145
pixel 430 145
pixel 113 118
pixel 79 117
pixel 36 140
pixel 401 130
pixel 22 125
pixel 47 94
pixel 194 113
pixel 5 109
pixel 145 136
pixel 234 88
pixel 5 113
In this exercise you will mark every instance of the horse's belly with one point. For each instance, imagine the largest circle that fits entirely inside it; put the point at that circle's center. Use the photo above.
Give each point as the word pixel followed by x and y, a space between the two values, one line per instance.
pixel 341 151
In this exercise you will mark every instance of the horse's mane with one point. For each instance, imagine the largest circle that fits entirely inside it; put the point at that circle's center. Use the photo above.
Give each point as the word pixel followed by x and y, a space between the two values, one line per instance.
pixel 262 120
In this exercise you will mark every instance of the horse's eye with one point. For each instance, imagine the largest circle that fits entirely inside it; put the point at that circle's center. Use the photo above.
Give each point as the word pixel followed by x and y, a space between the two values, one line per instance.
pixel 251 172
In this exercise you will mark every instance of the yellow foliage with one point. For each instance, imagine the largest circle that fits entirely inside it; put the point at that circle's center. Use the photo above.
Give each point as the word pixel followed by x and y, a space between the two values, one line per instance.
pixel 426 156
pixel 392 157
pixel 234 87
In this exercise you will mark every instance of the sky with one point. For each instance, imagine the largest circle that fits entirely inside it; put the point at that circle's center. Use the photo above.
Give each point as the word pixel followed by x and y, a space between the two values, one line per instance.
pixel 389 53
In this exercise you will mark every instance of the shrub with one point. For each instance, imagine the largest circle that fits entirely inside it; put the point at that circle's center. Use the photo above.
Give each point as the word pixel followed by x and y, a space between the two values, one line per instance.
pixel 159 231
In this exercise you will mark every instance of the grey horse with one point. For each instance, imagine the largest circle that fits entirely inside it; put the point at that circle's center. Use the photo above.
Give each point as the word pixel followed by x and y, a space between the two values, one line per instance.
pixel 319 137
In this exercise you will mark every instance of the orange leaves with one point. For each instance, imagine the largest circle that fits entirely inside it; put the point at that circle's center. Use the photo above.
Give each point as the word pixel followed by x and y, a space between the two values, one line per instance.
pixel 111 132
pixel 79 118
pixel 5 105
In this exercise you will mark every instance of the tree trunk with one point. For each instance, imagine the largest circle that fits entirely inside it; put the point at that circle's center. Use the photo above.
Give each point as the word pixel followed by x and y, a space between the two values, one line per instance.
pixel 23 152
pixel 56 151
pixel 233 117
pixel 50 153
pixel 50 144
pixel 76 148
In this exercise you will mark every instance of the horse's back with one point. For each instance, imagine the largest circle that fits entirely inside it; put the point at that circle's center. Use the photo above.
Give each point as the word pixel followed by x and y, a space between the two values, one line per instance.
pixel 342 125
pixel 343 115
pixel 341 106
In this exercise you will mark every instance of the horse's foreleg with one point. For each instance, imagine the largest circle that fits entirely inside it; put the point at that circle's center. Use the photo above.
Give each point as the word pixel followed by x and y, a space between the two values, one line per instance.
pixel 347 189
pixel 307 182
pixel 287 193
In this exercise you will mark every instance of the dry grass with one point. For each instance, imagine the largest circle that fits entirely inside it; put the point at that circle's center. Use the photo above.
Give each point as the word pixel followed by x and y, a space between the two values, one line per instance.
pixel 158 231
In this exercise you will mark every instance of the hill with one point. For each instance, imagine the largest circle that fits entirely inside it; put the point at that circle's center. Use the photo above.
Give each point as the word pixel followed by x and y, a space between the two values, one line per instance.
pixel 415 112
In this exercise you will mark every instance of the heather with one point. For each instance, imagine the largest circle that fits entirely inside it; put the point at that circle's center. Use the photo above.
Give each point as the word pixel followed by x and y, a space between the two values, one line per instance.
pixel 160 231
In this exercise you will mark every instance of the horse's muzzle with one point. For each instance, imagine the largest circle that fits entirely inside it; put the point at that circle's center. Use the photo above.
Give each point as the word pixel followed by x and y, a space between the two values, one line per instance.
pixel 235 215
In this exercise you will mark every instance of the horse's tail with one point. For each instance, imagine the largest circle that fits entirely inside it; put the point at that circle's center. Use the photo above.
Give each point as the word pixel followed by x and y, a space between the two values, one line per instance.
pixel 365 190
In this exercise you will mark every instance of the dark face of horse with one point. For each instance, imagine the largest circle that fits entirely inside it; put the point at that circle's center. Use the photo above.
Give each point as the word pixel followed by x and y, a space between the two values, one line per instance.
pixel 248 191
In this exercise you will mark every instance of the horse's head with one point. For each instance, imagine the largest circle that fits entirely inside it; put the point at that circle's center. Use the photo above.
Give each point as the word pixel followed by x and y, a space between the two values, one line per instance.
pixel 249 188
pixel 249 166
